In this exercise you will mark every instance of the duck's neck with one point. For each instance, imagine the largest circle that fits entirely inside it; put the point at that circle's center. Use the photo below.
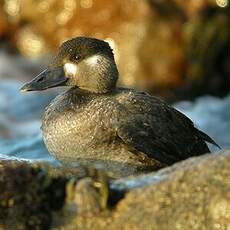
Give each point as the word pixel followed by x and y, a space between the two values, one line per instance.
pixel 99 74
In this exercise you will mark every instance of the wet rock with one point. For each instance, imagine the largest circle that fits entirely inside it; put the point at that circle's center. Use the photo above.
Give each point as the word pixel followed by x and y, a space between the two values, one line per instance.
pixel 36 196
pixel 189 195
pixel 28 195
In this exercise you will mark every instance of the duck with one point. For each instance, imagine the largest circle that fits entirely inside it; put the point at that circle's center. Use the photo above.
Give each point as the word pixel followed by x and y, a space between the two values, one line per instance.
pixel 95 123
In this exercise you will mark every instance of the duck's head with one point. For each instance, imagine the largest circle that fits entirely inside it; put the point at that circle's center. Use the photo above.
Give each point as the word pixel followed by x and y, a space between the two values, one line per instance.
pixel 83 62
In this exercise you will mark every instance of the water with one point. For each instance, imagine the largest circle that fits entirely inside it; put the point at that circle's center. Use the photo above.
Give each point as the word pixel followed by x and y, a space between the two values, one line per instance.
pixel 20 121
pixel 211 115
pixel 20 114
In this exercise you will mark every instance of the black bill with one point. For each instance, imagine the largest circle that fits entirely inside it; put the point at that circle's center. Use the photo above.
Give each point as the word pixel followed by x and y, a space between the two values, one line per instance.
pixel 49 78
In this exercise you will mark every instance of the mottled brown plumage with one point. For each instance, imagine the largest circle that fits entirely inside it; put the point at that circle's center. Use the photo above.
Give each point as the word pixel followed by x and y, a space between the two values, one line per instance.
pixel 94 122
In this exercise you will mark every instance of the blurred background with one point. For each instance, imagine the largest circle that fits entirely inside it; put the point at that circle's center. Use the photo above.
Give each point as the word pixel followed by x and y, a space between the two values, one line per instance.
pixel 178 50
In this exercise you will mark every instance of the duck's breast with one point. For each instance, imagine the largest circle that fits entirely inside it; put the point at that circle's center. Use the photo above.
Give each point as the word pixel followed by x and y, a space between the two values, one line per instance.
pixel 80 128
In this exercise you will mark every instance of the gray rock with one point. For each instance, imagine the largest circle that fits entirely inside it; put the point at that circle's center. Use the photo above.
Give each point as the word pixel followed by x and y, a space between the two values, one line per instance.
pixel 193 194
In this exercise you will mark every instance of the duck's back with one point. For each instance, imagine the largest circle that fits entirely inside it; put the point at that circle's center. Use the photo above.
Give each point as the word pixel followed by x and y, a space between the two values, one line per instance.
pixel 160 131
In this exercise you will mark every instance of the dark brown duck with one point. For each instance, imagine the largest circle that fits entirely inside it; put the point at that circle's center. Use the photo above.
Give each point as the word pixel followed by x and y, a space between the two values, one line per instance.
pixel 94 122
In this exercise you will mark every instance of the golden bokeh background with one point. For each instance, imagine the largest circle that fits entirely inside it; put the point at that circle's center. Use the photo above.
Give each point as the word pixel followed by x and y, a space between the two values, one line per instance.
pixel 173 48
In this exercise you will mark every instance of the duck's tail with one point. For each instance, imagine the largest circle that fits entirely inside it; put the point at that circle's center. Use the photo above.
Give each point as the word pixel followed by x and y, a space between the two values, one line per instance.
pixel 207 138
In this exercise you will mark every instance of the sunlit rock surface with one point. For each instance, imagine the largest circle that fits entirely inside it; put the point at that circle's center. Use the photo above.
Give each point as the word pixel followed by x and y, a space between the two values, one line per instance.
pixel 190 195
pixel 193 194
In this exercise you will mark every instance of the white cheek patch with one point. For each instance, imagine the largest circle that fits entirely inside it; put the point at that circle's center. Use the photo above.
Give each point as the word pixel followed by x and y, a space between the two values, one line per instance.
pixel 70 69
pixel 93 60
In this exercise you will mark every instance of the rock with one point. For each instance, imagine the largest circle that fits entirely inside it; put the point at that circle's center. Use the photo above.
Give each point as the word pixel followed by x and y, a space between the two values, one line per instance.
pixel 39 193
pixel 27 196
pixel 193 194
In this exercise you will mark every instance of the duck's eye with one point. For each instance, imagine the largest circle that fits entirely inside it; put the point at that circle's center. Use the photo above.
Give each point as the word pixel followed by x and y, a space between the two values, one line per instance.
pixel 77 57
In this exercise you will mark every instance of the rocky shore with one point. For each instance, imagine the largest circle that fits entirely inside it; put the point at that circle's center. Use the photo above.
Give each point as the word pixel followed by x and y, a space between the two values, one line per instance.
pixel 193 194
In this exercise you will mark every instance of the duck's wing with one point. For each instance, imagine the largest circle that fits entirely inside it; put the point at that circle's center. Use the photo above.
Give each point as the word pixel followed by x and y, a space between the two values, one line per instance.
pixel 141 137
pixel 159 131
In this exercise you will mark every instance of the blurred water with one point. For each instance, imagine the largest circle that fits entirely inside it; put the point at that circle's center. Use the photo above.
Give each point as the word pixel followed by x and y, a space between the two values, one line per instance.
pixel 211 115
pixel 20 115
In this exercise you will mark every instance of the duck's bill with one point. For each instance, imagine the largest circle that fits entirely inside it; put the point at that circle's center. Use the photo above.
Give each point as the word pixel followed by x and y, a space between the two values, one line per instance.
pixel 49 78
